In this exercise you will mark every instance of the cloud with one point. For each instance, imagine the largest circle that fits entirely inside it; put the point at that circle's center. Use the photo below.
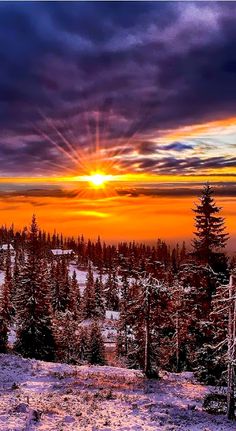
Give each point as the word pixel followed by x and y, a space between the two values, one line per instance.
pixel 177 191
pixel 146 69
pixel 177 146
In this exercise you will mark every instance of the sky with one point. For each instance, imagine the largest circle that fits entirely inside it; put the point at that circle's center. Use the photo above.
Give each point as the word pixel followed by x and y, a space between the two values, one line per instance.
pixel 141 92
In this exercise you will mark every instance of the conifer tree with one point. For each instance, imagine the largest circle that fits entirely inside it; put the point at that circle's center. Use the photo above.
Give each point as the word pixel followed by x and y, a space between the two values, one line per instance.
pixel 98 297
pixel 97 349
pixel 111 292
pixel 34 329
pixel 145 322
pixel 75 297
pixel 83 344
pixel 3 334
pixel 123 327
pixel 210 236
pixel 89 296
pixel 65 330
pixel 8 291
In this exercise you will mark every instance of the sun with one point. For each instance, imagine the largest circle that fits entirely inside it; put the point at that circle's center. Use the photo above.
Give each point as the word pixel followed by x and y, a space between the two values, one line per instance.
pixel 98 179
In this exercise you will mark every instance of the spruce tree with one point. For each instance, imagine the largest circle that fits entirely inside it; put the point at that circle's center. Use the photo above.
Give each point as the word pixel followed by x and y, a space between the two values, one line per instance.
pixel 75 297
pixel 210 236
pixel 34 329
pixel 89 296
pixel 97 349
pixel 3 334
pixel 66 337
pixel 98 296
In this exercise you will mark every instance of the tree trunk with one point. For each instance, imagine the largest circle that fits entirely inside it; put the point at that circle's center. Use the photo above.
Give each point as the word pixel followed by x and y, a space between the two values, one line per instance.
pixel 147 359
pixel 231 352
pixel 177 341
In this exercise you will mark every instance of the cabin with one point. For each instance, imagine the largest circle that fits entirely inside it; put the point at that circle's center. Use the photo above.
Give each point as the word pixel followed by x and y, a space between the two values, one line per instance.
pixel 59 252
pixel 4 248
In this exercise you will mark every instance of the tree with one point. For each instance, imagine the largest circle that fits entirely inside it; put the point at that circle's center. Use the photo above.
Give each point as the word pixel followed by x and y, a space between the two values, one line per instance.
pixel 144 323
pixel 89 296
pixel 97 349
pixel 8 292
pixel 3 335
pixel 123 326
pixel 111 292
pixel 210 236
pixel 98 296
pixel 66 337
pixel 231 356
pixel 75 297
pixel 34 331
pixel 224 314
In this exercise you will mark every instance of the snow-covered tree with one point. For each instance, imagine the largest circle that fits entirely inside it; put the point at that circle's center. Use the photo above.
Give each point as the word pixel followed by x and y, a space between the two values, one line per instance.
pixel 144 323
pixel 66 335
pixel 88 302
pixel 34 329
pixel 210 236
pixel 75 296
pixel 98 297
pixel 224 315
pixel 111 292
pixel 96 345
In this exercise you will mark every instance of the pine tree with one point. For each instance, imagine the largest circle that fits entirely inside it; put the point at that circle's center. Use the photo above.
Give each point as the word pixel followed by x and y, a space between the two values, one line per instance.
pixel 210 237
pixel 8 291
pixel 111 292
pixel 97 349
pixel 83 344
pixel 123 326
pixel 65 330
pixel 224 350
pixel 98 297
pixel 34 330
pixel 89 296
pixel 3 334
pixel 75 297
pixel 145 321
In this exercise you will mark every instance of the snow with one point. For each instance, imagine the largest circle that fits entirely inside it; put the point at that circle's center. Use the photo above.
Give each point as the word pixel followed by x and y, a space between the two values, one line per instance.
pixel 93 398
pixel 82 275
pixel 12 337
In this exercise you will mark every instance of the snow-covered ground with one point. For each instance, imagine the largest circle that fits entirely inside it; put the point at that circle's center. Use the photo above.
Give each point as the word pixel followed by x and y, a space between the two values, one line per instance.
pixel 81 276
pixel 88 398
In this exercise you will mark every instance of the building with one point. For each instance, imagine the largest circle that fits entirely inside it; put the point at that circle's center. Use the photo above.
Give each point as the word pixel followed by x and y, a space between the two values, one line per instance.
pixel 59 252
pixel 4 248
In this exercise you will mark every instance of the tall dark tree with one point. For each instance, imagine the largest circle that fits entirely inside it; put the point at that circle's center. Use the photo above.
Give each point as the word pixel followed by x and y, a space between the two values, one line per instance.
pixel 97 349
pixel 210 236
pixel 34 329
pixel 88 302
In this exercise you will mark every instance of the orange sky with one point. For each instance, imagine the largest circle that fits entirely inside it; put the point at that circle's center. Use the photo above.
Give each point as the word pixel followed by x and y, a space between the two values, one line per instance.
pixel 112 217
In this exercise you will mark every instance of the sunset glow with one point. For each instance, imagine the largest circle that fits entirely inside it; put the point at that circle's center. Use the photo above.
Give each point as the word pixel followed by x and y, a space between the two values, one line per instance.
pixel 121 141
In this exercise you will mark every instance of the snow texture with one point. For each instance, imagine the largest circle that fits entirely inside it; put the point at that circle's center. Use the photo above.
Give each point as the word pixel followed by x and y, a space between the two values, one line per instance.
pixel 41 396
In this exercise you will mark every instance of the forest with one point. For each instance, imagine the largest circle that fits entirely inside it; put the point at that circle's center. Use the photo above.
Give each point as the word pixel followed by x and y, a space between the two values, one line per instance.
pixel 140 306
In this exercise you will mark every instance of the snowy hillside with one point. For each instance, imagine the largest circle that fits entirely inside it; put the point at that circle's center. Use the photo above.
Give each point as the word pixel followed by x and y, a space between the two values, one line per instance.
pixel 44 396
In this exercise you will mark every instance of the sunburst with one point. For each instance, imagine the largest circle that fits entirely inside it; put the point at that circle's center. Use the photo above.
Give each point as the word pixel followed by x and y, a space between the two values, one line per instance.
pixel 98 179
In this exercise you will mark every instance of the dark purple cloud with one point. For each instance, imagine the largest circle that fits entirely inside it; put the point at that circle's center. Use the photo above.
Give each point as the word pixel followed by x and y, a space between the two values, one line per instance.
pixel 146 67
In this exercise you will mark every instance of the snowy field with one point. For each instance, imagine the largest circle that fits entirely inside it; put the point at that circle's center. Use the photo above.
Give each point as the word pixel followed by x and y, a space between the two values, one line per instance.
pixel 40 396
